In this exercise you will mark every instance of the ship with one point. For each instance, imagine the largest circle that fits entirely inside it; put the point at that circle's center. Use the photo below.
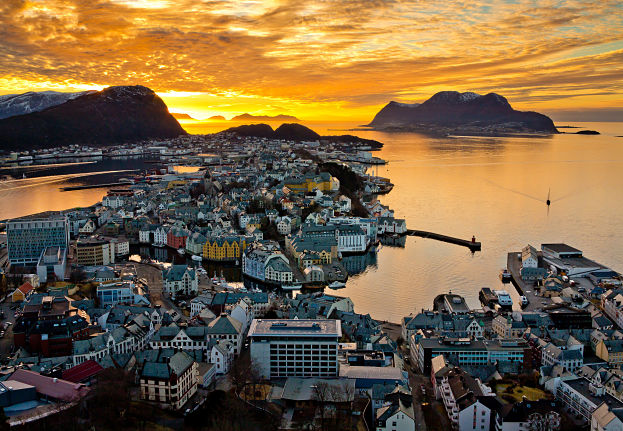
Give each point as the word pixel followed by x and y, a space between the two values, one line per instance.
pixel 337 285
pixel 504 299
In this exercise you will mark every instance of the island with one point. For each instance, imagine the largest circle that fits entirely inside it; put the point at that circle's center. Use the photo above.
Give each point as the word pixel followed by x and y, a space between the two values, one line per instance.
pixel 181 116
pixel 452 113
pixel 249 117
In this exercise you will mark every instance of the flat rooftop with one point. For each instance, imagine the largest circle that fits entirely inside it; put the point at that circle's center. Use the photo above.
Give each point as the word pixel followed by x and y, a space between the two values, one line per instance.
pixel 295 328
pixel 581 385
pixel 561 248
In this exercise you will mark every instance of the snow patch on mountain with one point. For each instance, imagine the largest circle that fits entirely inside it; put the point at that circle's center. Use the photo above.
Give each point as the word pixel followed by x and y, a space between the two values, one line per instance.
pixel 26 103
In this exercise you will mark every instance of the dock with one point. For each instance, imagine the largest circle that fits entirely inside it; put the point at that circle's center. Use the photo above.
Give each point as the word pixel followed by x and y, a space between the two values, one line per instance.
pixel 93 186
pixel 472 244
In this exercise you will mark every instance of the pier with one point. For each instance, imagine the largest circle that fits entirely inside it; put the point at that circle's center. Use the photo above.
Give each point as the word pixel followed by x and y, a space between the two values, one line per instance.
pixel 94 186
pixel 472 244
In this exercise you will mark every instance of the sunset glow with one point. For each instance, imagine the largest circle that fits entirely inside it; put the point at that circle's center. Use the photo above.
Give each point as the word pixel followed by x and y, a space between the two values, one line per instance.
pixel 318 60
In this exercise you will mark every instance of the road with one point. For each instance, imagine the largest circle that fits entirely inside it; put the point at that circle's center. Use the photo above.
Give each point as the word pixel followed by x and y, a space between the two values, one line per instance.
pixel 6 342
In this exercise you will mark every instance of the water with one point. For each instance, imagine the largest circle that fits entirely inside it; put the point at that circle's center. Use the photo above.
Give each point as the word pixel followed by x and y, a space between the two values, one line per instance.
pixel 493 188
pixel 41 189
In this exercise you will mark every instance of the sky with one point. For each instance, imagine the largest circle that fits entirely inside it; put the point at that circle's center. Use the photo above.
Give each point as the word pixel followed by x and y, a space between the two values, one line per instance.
pixel 320 60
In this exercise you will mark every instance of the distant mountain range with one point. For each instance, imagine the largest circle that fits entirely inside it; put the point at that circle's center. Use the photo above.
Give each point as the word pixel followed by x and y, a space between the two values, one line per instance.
pixel 26 103
pixel 453 112
pixel 296 132
pixel 217 118
pixel 249 117
pixel 113 115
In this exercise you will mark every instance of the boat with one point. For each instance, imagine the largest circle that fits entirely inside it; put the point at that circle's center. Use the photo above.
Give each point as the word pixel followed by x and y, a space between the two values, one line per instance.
pixel 524 301
pixel 337 285
pixel 196 258
pixel 504 299
pixel 181 251
pixel 505 276
pixel 219 281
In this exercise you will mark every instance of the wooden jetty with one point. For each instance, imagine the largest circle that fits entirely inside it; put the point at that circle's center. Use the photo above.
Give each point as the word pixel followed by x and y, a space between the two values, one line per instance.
pixel 472 244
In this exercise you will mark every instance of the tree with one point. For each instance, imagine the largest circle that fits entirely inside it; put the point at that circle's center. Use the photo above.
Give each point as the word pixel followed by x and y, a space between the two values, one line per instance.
pixel 322 393
pixel 111 398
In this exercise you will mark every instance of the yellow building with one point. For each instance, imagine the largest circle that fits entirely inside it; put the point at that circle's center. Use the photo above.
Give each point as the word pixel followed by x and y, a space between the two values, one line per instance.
pixel 323 182
pixel 610 351
pixel 224 248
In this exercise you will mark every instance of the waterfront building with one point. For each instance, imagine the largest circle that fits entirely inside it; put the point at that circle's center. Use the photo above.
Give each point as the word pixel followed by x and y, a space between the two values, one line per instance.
pixel 28 237
pixel 295 348
pixel 568 260
pixel 225 248
pixel 180 279
pixel 171 383
pixel 176 237
pixel 195 243
pixel 391 225
pixel 94 251
pixel 351 239
pixel 264 261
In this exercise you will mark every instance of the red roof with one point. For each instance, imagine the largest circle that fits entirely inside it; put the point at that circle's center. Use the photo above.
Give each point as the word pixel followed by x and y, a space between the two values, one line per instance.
pixel 82 372
pixel 58 389
pixel 26 288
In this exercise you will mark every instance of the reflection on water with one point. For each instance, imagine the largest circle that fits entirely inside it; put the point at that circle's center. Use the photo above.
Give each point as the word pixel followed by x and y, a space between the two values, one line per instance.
pixel 358 263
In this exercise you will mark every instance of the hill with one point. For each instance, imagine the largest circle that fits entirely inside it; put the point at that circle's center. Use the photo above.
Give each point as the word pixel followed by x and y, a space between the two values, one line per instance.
pixel 452 112
pixel 296 132
pixel 217 118
pixel 113 115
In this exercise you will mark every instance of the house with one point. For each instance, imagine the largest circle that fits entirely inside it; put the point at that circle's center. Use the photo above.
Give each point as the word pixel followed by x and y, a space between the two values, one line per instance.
pixel 222 354
pixel 396 414
pixel 22 293
pixel 176 237
pixel 180 279
pixel 226 328
pixel 170 383
pixel 610 351
pixel 605 418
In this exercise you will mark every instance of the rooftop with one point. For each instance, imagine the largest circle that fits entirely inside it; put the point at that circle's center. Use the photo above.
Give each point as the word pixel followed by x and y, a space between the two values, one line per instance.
pixel 298 327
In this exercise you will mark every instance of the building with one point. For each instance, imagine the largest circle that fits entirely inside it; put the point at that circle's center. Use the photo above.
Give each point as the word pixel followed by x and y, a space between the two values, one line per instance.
pixel 224 248
pixel 610 351
pixel 581 398
pixel 396 414
pixel 176 237
pixel 264 261
pixel 507 327
pixel 226 328
pixel 119 292
pixel 27 237
pixel 94 251
pixel 180 279
pixel 52 264
pixel 506 353
pixel 171 383
pixel 605 418
pixel 568 260
pixel 22 293
pixel 295 348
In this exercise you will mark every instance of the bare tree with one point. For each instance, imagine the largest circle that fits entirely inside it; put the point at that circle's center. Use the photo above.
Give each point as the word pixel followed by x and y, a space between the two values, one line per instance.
pixel 322 395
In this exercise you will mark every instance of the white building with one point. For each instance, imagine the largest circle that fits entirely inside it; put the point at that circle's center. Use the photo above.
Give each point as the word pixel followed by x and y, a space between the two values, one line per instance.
pixel 180 279
pixel 298 348
pixel 172 383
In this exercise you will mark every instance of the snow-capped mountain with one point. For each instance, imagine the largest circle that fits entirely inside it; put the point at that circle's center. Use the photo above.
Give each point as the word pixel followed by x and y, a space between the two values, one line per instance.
pixel 113 115
pixel 26 103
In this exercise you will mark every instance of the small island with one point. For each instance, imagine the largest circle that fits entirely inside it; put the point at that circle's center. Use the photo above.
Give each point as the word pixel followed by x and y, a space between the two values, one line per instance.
pixel 587 132
pixel 250 117
pixel 217 118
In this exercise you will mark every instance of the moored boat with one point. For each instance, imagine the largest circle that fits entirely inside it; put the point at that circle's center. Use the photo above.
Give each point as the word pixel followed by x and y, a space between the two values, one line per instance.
pixel 337 285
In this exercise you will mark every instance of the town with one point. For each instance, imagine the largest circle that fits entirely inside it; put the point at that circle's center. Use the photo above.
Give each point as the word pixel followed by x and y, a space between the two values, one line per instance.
pixel 95 332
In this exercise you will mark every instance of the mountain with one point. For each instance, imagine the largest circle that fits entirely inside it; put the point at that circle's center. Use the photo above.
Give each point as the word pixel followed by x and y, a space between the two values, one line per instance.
pixel 452 112
pixel 113 115
pixel 296 132
pixel 25 103
pixel 249 117
pixel 181 116
pixel 217 118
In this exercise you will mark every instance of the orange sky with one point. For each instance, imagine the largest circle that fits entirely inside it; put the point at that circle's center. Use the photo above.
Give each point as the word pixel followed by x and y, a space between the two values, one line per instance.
pixel 318 60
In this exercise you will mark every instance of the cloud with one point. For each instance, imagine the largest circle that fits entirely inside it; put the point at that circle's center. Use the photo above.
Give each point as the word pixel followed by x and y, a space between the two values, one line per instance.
pixel 349 54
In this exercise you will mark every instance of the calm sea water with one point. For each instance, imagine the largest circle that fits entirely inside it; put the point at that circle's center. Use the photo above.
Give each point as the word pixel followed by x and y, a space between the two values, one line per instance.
pixel 493 188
